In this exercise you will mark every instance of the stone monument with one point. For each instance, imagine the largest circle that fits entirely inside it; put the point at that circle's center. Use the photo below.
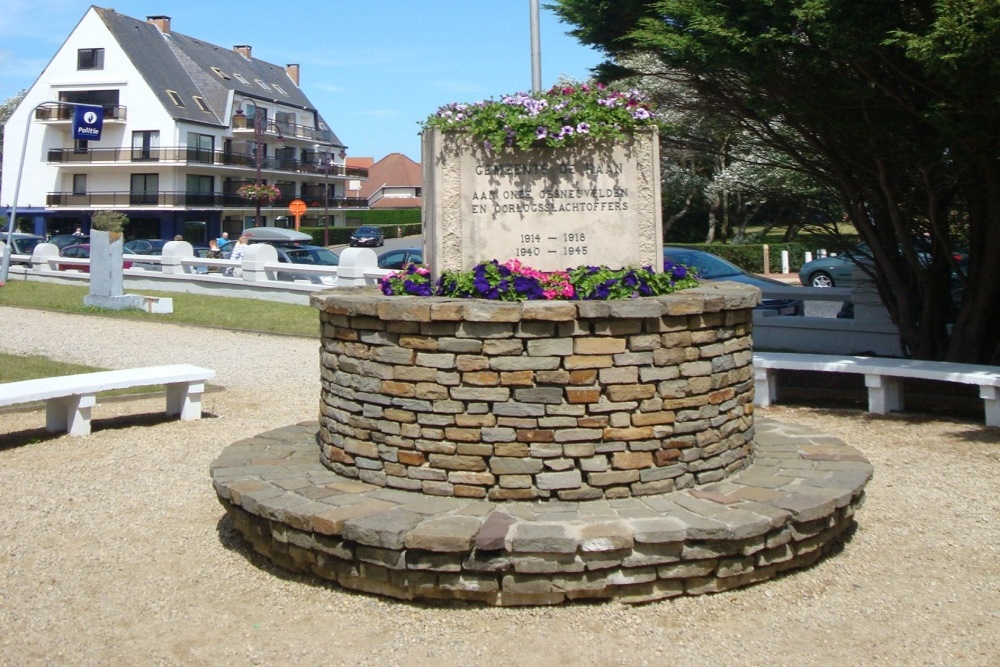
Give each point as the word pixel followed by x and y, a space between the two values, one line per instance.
pixel 537 452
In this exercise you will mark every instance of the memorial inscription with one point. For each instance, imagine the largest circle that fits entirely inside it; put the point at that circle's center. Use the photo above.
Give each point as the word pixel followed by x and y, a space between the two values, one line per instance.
pixel 550 208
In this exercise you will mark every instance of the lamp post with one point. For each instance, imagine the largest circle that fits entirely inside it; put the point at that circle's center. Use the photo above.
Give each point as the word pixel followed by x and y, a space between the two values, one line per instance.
pixel 258 139
pixel 5 263
pixel 326 199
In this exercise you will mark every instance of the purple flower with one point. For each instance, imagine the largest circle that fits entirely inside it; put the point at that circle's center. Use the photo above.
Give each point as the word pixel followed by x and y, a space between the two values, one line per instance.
pixel 583 128
pixel 566 131
pixel 541 132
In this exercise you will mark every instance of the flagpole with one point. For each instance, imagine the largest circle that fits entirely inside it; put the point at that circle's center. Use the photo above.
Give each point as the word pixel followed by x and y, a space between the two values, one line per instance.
pixel 536 50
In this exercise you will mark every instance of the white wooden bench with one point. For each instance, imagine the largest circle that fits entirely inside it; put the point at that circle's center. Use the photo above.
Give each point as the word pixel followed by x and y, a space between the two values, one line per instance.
pixel 883 377
pixel 69 398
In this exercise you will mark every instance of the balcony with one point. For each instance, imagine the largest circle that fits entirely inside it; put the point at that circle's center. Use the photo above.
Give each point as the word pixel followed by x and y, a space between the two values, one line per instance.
pixel 64 112
pixel 194 156
pixel 281 129
pixel 219 200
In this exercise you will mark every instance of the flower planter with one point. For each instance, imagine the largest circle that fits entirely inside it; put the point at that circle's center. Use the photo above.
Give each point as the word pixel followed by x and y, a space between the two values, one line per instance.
pixel 534 400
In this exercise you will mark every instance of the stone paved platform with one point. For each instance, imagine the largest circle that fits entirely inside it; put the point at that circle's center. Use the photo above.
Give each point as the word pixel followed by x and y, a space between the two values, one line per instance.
pixel 784 511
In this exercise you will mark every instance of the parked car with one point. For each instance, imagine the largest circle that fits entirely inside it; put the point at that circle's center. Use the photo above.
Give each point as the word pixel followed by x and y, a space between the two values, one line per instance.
pixel 144 247
pixel 368 235
pixel 63 240
pixel 293 247
pixel 401 257
pixel 22 244
pixel 834 270
pixel 713 267
pixel 838 270
pixel 313 255
pixel 81 251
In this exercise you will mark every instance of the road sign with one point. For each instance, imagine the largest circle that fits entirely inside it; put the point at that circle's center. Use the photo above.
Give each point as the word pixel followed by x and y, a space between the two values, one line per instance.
pixel 87 122
pixel 297 207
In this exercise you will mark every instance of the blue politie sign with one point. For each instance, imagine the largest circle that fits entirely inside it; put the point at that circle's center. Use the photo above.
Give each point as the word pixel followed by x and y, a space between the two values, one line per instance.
pixel 87 122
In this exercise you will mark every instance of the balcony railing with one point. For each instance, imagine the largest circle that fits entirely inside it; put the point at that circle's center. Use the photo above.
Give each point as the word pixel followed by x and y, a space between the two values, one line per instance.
pixel 284 129
pixel 65 112
pixel 186 199
pixel 196 156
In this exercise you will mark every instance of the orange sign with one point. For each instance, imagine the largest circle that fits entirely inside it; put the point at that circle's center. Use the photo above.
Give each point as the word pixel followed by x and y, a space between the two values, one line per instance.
pixel 296 207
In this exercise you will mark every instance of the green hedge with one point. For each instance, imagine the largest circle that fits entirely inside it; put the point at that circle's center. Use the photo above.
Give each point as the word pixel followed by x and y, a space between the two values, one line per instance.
pixel 387 216
pixel 342 235
pixel 750 256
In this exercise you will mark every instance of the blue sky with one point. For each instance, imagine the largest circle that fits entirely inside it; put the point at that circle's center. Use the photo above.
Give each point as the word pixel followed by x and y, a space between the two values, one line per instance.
pixel 374 69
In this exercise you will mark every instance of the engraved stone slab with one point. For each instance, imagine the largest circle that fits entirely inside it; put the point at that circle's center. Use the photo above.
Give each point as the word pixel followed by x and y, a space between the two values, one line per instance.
pixel 551 208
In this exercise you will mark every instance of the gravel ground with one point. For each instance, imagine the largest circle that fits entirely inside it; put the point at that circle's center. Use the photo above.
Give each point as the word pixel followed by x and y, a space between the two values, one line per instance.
pixel 114 549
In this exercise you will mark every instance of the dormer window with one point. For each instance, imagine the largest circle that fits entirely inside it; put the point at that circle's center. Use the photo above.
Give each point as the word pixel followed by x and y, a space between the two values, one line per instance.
pixel 175 98
pixel 219 73
pixel 90 58
pixel 242 79
pixel 262 84
pixel 200 101
pixel 279 89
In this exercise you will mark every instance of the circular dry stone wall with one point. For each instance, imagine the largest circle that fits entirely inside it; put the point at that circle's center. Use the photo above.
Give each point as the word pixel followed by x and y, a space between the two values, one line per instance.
pixel 538 399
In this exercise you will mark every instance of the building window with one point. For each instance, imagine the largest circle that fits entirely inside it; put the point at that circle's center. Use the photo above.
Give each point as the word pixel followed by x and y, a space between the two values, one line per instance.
pixel 285 121
pixel 242 79
pixel 79 184
pixel 262 85
pixel 199 190
pixel 144 145
pixel 80 146
pixel 90 59
pixel 200 147
pixel 279 89
pixel 220 73
pixel 144 189
pixel 175 98
pixel 200 101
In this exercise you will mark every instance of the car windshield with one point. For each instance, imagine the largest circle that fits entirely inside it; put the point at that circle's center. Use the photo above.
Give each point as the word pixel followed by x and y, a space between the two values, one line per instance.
pixel 320 256
pixel 367 230
pixel 708 266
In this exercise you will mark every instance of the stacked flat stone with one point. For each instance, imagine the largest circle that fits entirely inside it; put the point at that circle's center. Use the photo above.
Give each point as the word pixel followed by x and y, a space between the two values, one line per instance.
pixel 539 399
pixel 789 508
pixel 534 453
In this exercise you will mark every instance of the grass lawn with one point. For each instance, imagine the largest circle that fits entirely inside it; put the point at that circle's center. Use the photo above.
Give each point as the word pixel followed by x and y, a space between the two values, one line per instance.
pixel 208 311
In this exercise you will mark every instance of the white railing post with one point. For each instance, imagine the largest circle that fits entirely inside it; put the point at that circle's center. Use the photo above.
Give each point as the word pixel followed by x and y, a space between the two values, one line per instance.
pixel 354 263
pixel 173 253
pixel 254 260
pixel 784 262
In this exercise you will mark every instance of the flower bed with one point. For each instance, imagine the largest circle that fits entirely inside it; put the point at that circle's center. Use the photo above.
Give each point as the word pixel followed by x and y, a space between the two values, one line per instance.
pixel 558 117
pixel 513 281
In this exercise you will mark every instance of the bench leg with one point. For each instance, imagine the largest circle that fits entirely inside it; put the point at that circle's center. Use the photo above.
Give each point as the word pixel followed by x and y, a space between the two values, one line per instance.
pixel 885 394
pixel 70 414
pixel 765 387
pixel 184 399
pixel 991 401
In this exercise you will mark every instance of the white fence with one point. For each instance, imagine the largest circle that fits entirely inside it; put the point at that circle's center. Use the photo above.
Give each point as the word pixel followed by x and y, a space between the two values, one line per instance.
pixel 178 270
pixel 260 275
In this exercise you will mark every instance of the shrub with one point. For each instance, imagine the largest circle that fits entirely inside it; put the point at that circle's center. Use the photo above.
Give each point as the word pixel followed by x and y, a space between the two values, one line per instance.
pixel 109 221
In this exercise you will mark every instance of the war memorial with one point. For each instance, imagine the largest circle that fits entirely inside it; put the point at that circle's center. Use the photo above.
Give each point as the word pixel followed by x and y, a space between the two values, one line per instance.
pixel 538 451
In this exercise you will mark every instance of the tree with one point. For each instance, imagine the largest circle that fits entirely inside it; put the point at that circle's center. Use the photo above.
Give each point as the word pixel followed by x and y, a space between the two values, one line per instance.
pixel 892 104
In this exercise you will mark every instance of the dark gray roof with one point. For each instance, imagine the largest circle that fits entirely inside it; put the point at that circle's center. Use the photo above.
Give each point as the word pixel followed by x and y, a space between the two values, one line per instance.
pixel 173 61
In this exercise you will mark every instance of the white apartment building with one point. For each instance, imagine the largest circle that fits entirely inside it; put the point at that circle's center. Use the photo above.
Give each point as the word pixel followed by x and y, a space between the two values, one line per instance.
pixel 186 124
